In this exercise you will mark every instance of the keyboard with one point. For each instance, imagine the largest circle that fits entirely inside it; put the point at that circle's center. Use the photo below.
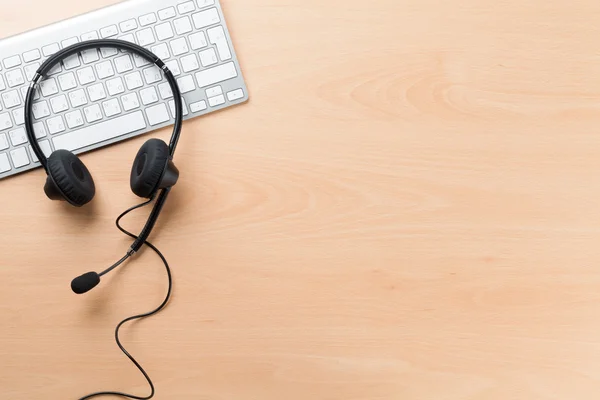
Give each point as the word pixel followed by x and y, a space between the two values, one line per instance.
pixel 104 96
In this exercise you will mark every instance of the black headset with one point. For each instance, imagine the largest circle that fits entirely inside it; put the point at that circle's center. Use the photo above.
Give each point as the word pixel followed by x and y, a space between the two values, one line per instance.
pixel 69 180
pixel 153 174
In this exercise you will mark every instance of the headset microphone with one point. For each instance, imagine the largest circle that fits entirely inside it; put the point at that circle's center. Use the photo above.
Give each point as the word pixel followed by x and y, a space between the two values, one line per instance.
pixel 86 282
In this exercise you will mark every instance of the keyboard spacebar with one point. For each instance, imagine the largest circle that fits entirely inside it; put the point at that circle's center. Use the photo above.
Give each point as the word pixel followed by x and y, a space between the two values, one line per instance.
pixel 99 133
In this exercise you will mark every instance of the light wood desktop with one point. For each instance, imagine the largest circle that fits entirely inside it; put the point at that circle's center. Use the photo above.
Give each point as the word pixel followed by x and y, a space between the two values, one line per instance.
pixel 408 208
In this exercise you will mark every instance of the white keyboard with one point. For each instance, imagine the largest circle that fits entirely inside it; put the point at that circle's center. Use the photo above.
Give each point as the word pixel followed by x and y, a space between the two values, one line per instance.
pixel 104 96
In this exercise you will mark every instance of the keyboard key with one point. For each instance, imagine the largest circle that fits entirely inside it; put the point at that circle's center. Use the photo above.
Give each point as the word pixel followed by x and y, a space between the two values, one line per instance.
pixel 93 113
pixel 50 49
pixel 184 109
pixel 205 3
pixel 109 31
pixel 186 84
pixel 140 61
pixel 157 114
pixel 115 86
pixel 186 7
pixel 4 164
pixel 198 106
pixel 208 57
pixel 59 103
pixel 179 46
pixel 198 40
pixel 100 132
pixel 12 61
pixel 74 119
pixel 214 91
pixel 216 101
pixel 55 125
pixel 2 85
pixel 86 75
pixel 161 51
pixel 93 35
pixel 67 81
pixel 217 37
pixel 96 92
pixel 5 121
pixel 3 142
pixel 182 25
pixel 30 70
pixel 128 38
pixel 55 70
pixel 18 136
pixel 215 75
pixel 77 98
pixel 39 130
pixel 49 87
pixel 11 99
pixel 148 96
pixel 15 78
pixel 167 13
pixel 165 91
pixel 235 95
pixel 164 31
pixel 189 63
pixel 206 18
pixel 19 116
pixel 90 56
pixel 130 101
pixel 19 157
pixel 147 19
pixel 40 109
pixel 71 62
pixel 31 55
pixel 111 107
pixel 152 74
pixel 69 42
pixel 45 146
pixel 108 52
pixel 123 63
pixel 134 80
pixel 128 25
pixel 173 66
pixel 145 37
pixel 105 69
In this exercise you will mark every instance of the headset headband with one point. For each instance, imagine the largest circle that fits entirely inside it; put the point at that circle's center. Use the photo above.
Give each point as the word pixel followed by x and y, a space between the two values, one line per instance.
pixel 95 44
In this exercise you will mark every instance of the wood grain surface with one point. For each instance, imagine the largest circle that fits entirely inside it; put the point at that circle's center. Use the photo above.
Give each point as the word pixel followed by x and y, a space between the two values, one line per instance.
pixel 406 209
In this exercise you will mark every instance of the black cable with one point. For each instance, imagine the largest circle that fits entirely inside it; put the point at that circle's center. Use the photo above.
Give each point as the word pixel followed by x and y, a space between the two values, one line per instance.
pixel 163 304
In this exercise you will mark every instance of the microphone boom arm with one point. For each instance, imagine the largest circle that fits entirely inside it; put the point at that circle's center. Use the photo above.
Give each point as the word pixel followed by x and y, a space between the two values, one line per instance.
pixel 88 281
pixel 160 202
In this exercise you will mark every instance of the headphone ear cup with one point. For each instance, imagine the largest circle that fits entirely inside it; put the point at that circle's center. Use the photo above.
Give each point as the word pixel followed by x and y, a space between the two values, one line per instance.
pixel 148 168
pixel 69 179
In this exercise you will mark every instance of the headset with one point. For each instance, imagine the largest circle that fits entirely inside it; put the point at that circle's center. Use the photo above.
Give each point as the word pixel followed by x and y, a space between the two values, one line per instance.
pixel 152 177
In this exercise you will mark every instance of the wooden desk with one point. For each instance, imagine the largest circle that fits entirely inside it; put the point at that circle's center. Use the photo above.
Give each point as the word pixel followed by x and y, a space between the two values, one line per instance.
pixel 407 208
